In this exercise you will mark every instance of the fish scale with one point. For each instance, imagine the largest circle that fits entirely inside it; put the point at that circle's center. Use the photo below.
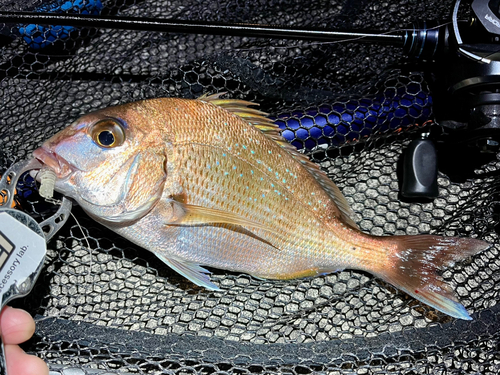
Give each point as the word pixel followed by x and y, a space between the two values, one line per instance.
pixel 259 151
pixel 274 162
pixel 211 182
pixel 298 233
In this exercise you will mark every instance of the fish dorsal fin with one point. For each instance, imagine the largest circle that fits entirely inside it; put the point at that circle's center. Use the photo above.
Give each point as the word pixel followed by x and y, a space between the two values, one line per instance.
pixel 255 117
pixel 334 192
pixel 259 120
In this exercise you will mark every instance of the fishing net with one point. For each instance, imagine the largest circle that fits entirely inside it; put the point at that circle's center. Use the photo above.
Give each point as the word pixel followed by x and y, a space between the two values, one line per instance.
pixel 103 305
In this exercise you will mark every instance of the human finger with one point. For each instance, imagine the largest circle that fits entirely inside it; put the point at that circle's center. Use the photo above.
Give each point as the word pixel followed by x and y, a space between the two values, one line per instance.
pixel 20 363
pixel 16 325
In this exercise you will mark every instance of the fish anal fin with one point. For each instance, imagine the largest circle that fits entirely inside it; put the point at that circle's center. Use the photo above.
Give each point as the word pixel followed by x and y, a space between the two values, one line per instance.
pixel 413 264
pixel 191 271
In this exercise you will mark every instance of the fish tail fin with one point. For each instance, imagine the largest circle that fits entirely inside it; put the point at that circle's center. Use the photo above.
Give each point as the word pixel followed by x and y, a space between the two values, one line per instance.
pixel 413 264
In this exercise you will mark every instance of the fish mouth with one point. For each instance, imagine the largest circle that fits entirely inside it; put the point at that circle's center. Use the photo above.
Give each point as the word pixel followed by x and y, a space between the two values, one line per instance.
pixel 50 159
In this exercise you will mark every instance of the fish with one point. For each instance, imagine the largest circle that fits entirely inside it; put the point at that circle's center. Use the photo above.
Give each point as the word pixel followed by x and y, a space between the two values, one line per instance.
pixel 210 182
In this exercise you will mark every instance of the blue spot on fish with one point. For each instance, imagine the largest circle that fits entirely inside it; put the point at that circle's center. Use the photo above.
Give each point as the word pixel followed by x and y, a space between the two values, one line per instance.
pixel 234 167
pixel 252 151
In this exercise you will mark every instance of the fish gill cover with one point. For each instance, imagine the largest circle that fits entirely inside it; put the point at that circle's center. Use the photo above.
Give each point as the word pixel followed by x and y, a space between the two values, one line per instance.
pixel 103 303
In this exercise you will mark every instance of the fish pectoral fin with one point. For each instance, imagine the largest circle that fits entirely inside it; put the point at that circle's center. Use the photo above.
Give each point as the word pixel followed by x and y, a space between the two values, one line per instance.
pixel 188 214
pixel 191 271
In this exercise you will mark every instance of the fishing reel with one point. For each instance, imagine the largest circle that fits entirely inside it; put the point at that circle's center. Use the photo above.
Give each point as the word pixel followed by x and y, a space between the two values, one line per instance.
pixel 464 59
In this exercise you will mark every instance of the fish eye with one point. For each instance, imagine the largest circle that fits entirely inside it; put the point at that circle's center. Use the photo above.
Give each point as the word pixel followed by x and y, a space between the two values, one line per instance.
pixel 108 133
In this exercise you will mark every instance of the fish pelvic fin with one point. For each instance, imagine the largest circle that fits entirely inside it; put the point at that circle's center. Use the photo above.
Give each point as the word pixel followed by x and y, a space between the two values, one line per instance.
pixel 413 265
pixel 191 271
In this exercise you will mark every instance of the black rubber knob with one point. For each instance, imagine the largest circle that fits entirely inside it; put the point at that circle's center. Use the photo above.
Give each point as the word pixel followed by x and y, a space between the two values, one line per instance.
pixel 420 170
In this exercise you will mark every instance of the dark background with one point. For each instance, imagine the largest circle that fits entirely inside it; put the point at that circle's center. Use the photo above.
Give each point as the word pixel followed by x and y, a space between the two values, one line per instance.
pixel 109 305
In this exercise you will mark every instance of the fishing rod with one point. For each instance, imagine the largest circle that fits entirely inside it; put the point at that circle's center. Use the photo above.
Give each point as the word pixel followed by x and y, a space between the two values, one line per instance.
pixel 199 27
pixel 463 56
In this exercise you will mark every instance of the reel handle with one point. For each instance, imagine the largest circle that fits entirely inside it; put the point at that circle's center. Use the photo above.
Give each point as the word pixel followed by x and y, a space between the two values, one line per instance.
pixel 420 170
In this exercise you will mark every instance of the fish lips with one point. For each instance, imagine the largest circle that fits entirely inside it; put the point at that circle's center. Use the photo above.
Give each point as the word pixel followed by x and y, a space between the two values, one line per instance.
pixel 58 164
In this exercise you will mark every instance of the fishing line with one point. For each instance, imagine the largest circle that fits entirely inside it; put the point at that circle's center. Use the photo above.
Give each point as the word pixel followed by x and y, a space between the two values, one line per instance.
pixel 47 183
pixel 58 202
pixel 90 253
pixel 488 56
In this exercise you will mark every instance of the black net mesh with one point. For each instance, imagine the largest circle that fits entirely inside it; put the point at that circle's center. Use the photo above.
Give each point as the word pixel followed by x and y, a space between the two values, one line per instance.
pixel 102 303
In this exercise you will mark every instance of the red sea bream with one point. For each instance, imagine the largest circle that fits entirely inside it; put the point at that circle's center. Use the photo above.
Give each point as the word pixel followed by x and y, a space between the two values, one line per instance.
pixel 210 182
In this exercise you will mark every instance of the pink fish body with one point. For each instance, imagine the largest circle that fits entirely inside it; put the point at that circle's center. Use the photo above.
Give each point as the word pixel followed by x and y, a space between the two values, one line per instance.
pixel 210 182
